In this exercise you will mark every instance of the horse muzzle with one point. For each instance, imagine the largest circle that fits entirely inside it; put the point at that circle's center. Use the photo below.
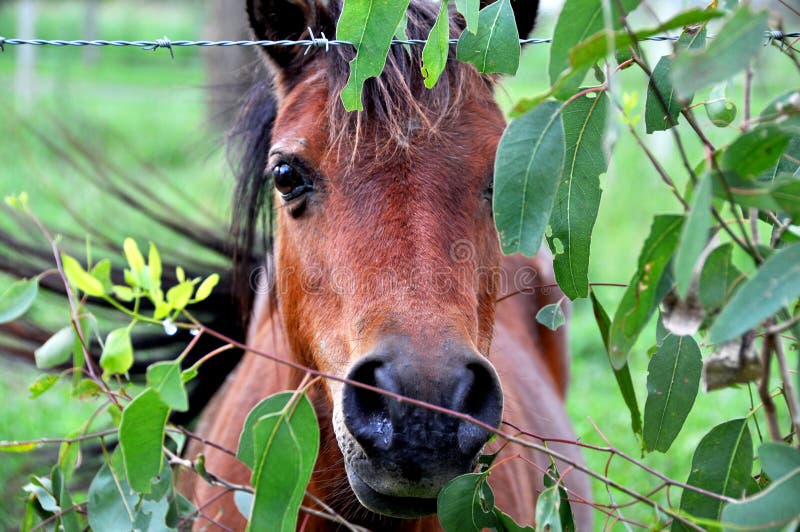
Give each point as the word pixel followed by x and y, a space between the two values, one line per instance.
pixel 399 455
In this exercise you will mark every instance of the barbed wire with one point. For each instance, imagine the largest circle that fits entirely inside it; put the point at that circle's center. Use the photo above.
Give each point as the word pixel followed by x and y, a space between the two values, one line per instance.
pixel 313 42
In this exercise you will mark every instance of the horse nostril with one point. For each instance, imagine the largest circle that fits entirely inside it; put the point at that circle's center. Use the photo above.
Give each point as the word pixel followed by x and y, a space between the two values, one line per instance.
pixel 366 413
pixel 478 395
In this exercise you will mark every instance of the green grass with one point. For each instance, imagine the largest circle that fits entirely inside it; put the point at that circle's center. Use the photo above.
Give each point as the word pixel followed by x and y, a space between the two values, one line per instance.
pixel 137 107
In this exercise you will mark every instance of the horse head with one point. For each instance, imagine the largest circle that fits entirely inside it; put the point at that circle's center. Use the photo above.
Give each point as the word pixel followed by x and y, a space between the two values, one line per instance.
pixel 386 254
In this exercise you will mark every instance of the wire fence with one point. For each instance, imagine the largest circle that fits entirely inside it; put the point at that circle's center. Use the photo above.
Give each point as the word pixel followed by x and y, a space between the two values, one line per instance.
pixel 313 42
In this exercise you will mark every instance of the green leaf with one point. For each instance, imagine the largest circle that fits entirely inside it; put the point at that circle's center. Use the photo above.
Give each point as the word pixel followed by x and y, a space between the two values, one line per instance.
pixel 80 278
pixel 17 447
pixel 466 503
pixel 206 287
pixel 578 196
pixel 784 112
pixel 786 193
pixel 141 436
pixel 621 374
pixel 722 464
pixel 769 510
pixel 778 459
pixel 42 384
pixel 133 255
pixel 551 316
pixel 755 151
pixel 434 55
pixel 596 47
pixel 655 117
pixel 642 295
pixel 112 502
pixel 154 267
pixel 694 236
pixel 69 518
pixel 548 515
pixel 117 356
pixel 285 447
pixel 469 9
pixel 102 272
pixel 735 45
pixel 179 295
pixel 775 284
pixel 42 489
pixel 578 20
pixel 551 476
pixel 165 379
pixel 494 47
pixel 507 524
pixel 673 378
pixel 530 160
pixel 369 25
pixel 720 110
pixel 17 299
pixel 56 350
pixel 718 278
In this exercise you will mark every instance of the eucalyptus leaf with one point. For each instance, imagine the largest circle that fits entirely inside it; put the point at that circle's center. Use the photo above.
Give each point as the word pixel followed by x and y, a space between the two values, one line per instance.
pixel 141 437
pixel 494 47
pixel 656 118
pixel 466 503
pixel 437 48
pixel 578 196
pixel 775 284
pixel 117 355
pixel 551 316
pixel 548 515
pixel 770 510
pixel 470 10
pixel 370 26
pixel 18 298
pixel 722 464
pixel 528 167
pixel 778 459
pixel 111 502
pixel 42 384
pixel 735 45
pixel 642 295
pixel 165 379
pixel 80 278
pixel 621 374
pixel 694 236
pixel 673 378
pixel 755 151
pixel 56 350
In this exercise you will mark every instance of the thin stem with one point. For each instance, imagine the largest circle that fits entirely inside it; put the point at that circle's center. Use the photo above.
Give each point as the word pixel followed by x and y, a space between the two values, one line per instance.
pixel 763 391
pixel 788 387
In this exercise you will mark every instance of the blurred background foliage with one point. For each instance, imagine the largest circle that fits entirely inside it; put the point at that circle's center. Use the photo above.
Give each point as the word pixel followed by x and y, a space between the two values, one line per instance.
pixel 162 122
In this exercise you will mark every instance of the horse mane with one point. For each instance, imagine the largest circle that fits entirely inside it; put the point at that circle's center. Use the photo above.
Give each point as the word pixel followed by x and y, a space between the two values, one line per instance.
pixel 397 106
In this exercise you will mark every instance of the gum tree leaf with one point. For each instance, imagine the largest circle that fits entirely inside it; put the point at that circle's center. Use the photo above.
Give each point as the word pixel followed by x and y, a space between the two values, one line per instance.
pixel 578 20
pixel 437 48
pixel 102 272
pixel 564 509
pixel 642 295
pixel 117 356
pixel 179 295
pixel 165 379
pixel 80 278
pixel 722 464
pixel 655 117
pixel 718 278
pixel 784 112
pixel 530 159
pixel 578 196
pixel 755 151
pixel 494 47
pixel 507 523
pixel 369 25
pixel 42 384
pixel 285 447
pixel 621 374
pixel 206 287
pixel 17 299
pixel 112 502
pixel 466 503
pixel 133 255
pixel 56 350
pixel 694 236
pixel 548 515
pixel 775 284
pixel 551 316
pixel 778 459
pixel 469 9
pixel 673 378
pixel 596 47
pixel 770 510
pixel 735 45
pixel 141 436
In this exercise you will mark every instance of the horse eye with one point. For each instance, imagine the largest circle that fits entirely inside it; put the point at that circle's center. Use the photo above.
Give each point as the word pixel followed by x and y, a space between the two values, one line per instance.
pixel 290 182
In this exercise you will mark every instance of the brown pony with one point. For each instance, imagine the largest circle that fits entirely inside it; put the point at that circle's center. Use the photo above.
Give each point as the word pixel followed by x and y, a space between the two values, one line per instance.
pixel 386 270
